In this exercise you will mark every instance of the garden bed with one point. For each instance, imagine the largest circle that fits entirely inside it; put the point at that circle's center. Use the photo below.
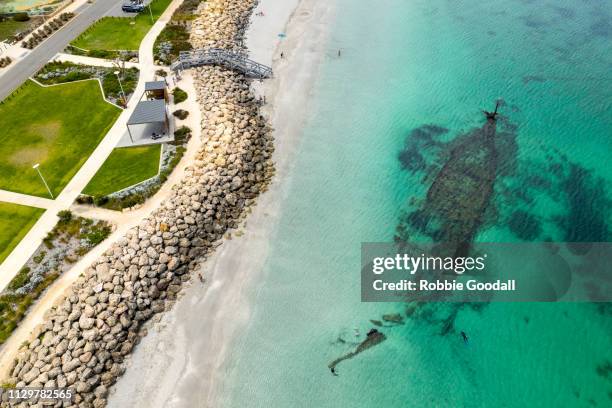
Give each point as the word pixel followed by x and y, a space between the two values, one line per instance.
pixel 63 72
pixel 68 242
pixel 174 38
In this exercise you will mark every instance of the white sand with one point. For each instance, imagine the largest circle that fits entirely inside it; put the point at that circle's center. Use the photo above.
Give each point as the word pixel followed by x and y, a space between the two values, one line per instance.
pixel 180 363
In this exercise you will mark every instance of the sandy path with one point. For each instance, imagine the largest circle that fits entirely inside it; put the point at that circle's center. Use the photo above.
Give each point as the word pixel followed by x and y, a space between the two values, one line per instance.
pixel 180 363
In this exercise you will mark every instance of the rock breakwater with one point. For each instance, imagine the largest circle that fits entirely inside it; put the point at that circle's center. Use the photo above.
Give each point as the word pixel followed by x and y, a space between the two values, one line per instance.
pixel 84 341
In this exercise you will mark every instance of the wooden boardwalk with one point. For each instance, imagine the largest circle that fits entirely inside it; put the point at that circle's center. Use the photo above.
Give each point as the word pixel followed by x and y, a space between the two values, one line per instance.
pixel 233 60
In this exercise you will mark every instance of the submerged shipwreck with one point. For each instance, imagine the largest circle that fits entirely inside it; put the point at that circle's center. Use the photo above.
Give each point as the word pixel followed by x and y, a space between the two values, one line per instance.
pixel 454 207
pixel 459 195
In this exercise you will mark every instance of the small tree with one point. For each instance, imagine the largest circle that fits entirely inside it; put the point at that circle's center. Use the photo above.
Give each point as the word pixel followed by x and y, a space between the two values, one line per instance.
pixel 179 95
pixel 65 216
pixel 21 17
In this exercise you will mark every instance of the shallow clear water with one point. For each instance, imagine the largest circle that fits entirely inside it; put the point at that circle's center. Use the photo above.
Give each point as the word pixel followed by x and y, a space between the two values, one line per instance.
pixel 406 64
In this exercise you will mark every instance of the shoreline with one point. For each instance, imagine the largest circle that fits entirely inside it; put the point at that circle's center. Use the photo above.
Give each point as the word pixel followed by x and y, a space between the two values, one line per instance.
pixel 191 342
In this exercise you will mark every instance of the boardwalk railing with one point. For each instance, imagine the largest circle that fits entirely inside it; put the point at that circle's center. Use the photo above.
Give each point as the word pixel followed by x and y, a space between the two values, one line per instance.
pixel 234 60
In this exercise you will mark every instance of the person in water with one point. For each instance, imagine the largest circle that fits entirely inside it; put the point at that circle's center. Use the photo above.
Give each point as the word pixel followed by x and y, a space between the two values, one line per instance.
pixel 464 336
pixel 333 371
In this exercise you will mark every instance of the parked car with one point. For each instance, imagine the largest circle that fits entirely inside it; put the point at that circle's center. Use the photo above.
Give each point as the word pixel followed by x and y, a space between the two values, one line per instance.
pixel 133 7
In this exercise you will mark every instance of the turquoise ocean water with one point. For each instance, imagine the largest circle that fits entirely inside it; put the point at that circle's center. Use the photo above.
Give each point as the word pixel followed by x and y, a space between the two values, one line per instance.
pixel 406 64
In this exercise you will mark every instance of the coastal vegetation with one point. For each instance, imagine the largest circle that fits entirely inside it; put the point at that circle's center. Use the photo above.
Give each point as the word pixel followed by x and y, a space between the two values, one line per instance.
pixel 69 241
pixel 120 33
pixel 15 222
pixel 124 167
pixel 174 38
pixel 47 126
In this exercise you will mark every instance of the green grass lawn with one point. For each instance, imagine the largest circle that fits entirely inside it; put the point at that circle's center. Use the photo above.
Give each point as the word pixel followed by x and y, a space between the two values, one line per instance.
pixel 57 126
pixel 15 222
pixel 120 33
pixel 124 167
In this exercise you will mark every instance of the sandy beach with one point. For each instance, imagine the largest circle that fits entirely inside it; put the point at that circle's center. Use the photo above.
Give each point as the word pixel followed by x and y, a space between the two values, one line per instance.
pixel 180 363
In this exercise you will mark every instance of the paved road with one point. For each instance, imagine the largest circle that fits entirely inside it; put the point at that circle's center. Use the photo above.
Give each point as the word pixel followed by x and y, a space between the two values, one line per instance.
pixel 23 69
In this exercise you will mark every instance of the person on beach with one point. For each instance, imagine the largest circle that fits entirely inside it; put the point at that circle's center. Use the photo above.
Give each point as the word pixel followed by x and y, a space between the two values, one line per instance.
pixel 282 55
pixel 339 53
pixel 202 280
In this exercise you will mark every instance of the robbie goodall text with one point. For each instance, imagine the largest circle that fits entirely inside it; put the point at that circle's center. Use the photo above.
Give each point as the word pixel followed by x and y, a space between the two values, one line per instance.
pixel 438 264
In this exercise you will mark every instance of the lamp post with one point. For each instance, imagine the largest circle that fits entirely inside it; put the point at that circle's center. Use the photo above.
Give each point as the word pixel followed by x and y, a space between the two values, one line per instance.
pixel 36 167
pixel 121 86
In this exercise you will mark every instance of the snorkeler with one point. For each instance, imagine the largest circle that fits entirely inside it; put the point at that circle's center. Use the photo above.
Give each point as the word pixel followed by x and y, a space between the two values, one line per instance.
pixel 464 336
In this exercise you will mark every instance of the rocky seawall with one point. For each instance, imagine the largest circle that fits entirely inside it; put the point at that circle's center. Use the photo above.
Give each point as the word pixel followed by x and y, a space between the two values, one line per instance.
pixel 84 341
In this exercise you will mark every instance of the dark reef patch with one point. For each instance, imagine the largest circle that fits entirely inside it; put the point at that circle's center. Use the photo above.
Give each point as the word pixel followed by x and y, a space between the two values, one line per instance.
pixel 588 207
pixel 421 139
pixel 604 370
pixel 524 225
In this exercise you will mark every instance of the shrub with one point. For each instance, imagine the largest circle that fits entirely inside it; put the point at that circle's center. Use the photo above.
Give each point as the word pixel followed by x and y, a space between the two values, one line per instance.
pixel 39 258
pixel 161 73
pixel 100 201
pixel 65 216
pixel 179 95
pixel 22 278
pixel 98 234
pixel 181 114
pixel 84 199
pixel 76 76
pixel 181 135
pixel 21 17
